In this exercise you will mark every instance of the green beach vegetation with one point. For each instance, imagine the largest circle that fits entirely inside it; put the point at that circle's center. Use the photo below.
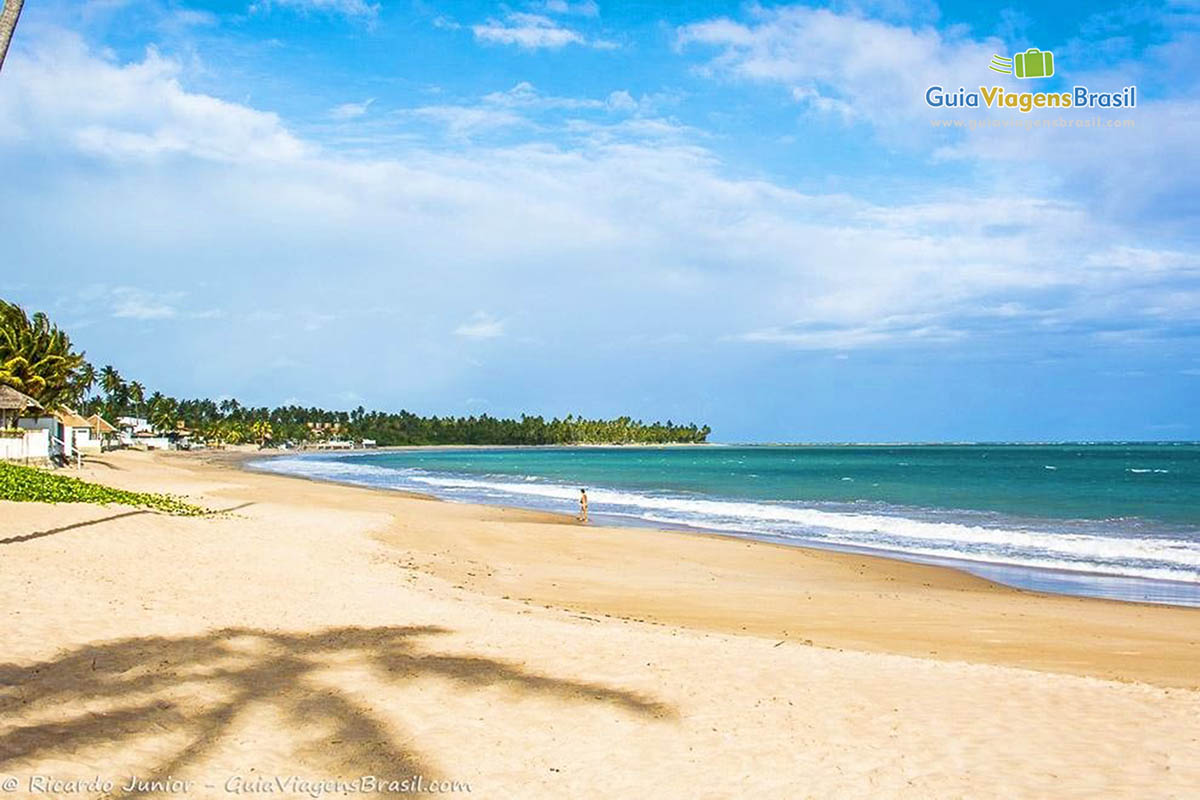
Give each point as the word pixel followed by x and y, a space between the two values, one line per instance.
pixel 230 422
pixel 32 485
pixel 38 359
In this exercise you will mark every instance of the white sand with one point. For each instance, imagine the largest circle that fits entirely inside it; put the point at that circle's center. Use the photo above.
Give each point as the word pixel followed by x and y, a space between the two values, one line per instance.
pixel 289 639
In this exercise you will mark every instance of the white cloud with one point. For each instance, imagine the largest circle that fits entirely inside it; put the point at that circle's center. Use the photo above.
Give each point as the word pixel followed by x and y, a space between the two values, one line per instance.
pixel 463 122
pixel 584 8
pixel 873 71
pixel 130 303
pixel 635 219
pixel 814 99
pixel 517 108
pixel 347 8
pixel 127 302
pixel 530 31
pixel 1129 174
pixel 621 101
pixel 180 19
pixel 525 95
pixel 66 96
pixel 481 326
pixel 885 331
pixel 351 110
pixel 534 32
pixel 848 63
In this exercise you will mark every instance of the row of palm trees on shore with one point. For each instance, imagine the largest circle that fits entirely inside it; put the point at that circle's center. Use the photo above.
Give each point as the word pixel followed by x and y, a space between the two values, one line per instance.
pixel 229 421
pixel 38 359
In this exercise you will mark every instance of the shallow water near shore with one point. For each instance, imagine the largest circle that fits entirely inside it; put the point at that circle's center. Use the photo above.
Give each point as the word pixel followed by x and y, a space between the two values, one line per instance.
pixel 1119 521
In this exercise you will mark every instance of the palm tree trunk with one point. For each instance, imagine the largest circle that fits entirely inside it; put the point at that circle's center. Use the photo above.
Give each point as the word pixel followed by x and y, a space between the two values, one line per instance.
pixel 8 22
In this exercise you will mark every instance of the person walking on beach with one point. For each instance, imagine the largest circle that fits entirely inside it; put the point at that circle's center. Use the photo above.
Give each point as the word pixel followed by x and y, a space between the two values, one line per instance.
pixel 582 506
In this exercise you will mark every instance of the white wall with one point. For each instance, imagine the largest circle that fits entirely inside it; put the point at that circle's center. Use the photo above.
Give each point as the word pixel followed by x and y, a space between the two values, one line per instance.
pixel 85 442
pixel 51 426
pixel 34 444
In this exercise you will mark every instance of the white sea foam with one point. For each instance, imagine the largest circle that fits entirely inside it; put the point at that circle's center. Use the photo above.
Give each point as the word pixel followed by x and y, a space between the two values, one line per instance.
pixel 334 469
pixel 1148 557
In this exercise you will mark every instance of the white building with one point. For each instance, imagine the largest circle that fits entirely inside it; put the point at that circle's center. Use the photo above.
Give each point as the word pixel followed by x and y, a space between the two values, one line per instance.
pixel 30 433
pixel 129 428
pixel 70 435
pixel 17 443
pixel 84 438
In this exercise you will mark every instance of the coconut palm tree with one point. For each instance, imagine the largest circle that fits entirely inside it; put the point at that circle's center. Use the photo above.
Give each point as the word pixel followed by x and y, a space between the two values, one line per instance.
pixel 110 380
pixel 153 403
pixel 164 412
pixel 85 379
pixel 137 395
pixel 36 357
pixel 116 391
pixel 262 431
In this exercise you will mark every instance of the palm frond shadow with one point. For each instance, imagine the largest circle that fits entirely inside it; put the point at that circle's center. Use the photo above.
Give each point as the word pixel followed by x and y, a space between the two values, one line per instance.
pixel 197 687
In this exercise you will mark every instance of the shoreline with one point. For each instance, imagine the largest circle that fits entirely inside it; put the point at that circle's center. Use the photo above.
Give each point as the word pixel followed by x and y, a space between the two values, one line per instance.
pixel 918 590
pixel 1058 581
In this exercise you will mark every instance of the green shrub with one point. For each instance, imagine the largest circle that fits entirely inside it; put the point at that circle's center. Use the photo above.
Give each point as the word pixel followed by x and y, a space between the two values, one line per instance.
pixel 30 485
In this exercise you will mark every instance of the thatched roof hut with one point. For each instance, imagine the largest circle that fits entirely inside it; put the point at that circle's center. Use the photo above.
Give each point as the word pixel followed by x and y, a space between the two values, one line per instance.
pixel 101 426
pixel 70 419
pixel 13 404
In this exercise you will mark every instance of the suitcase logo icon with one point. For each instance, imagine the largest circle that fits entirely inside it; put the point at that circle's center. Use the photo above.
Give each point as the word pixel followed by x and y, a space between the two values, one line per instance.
pixel 1033 63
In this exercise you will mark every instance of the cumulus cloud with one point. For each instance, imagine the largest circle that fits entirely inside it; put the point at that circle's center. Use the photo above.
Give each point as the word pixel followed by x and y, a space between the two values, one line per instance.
pixel 66 96
pixel 856 69
pixel 645 228
pixel 858 66
pixel 481 326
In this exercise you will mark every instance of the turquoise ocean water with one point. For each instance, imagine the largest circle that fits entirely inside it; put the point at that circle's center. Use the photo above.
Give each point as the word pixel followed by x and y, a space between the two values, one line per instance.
pixel 1112 520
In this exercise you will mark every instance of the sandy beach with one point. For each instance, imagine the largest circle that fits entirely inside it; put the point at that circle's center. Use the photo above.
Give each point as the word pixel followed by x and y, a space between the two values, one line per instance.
pixel 314 632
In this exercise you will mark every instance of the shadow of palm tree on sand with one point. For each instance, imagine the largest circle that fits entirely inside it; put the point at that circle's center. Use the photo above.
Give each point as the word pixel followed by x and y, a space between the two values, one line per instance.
pixel 196 689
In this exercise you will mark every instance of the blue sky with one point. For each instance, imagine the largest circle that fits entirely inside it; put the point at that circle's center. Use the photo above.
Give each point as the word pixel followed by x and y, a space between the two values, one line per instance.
pixel 733 213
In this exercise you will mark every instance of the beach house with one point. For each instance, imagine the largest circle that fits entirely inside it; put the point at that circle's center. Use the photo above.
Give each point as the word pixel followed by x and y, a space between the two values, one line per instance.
pixel 128 428
pixel 103 430
pixel 17 443
pixel 78 432
pixel 139 433
pixel 13 405
pixel 70 436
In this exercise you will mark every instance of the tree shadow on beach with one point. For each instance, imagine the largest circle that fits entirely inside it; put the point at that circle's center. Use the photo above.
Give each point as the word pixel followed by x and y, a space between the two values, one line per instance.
pixel 28 537
pixel 194 690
